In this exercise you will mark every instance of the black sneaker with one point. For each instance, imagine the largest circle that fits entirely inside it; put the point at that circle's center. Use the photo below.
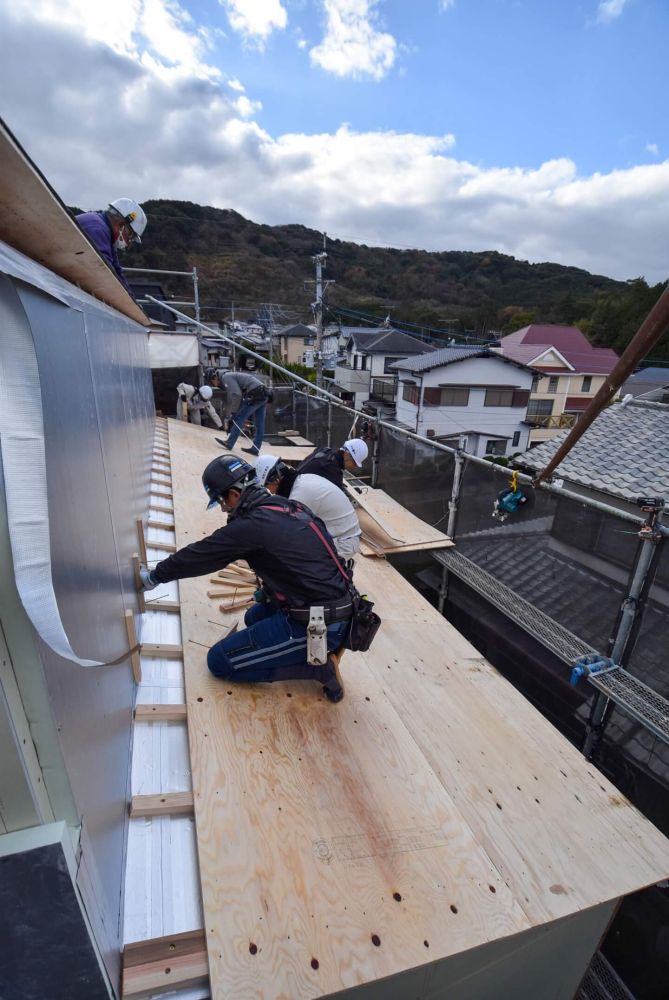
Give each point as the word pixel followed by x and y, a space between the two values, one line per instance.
pixel 333 686
pixel 251 451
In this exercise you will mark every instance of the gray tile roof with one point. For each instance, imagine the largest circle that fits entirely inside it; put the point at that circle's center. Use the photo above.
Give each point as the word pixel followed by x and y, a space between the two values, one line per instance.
pixel 625 452
pixel 386 340
pixel 448 356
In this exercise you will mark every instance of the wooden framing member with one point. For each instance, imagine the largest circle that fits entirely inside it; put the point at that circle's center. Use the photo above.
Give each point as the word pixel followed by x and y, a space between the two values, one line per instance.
pixel 161 493
pixel 155 604
pixel 135 661
pixel 141 603
pixel 162 650
pixel 162 804
pixel 235 605
pixel 160 713
pixel 160 524
pixel 166 963
pixel 141 539
pixel 162 510
pixel 162 546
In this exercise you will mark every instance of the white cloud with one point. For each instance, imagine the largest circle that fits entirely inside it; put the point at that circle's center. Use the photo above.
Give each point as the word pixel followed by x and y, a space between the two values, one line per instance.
pixel 352 45
pixel 446 4
pixel 609 10
pixel 652 148
pixel 155 120
pixel 255 20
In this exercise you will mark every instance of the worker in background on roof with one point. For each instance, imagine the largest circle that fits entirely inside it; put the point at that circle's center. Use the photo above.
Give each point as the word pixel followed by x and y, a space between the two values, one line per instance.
pixel 116 229
pixel 321 497
pixel 245 397
pixel 194 401
pixel 331 464
pixel 294 558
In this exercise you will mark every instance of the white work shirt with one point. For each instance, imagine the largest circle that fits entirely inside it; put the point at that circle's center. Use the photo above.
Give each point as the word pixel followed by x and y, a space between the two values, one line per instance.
pixel 331 504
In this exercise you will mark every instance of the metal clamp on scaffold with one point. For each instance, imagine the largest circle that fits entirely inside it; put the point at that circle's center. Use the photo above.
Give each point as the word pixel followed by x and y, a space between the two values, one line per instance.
pixel 593 663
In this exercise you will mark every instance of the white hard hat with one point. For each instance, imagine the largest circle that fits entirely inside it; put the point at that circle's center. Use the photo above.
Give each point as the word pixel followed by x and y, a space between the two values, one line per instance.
pixel 133 214
pixel 357 449
pixel 264 466
pixel 206 392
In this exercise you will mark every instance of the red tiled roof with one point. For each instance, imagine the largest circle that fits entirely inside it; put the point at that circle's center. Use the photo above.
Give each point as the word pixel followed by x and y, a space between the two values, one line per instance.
pixel 531 341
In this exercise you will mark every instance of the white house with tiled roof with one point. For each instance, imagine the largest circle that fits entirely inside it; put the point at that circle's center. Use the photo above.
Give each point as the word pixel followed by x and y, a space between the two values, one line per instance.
pixel 468 392
pixel 569 371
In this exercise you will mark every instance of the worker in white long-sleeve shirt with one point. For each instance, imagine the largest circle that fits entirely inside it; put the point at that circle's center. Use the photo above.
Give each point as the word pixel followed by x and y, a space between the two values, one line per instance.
pixel 322 497
pixel 196 400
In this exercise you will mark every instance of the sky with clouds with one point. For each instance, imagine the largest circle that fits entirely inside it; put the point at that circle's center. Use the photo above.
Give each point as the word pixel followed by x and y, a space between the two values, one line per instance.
pixel 533 127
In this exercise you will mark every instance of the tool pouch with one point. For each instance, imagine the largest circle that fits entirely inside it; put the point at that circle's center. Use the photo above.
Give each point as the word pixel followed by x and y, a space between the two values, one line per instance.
pixel 365 623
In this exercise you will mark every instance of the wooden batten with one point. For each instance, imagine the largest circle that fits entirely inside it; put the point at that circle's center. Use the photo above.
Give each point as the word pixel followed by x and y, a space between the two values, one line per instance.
pixel 160 713
pixel 174 607
pixel 162 804
pixel 141 602
pixel 165 651
pixel 161 964
pixel 135 661
pixel 162 546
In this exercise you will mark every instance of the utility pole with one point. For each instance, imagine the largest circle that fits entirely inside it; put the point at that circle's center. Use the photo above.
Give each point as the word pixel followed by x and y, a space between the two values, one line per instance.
pixel 319 259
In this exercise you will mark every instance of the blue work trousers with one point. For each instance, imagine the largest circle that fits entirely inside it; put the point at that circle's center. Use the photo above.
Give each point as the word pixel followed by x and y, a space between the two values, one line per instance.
pixel 255 410
pixel 272 647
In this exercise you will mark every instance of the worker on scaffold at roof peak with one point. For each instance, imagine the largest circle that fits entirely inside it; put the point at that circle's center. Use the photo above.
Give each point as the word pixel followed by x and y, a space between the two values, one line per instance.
pixel 245 397
pixel 195 400
pixel 331 464
pixel 294 557
pixel 321 497
pixel 121 226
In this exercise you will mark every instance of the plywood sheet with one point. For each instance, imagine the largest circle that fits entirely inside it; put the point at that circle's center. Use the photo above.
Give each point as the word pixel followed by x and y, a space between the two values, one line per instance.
pixel 390 526
pixel 335 841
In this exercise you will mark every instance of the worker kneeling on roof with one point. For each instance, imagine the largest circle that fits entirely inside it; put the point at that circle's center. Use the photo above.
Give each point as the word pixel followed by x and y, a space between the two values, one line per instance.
pixel 306 602
pixel 322 498
pixel 194 401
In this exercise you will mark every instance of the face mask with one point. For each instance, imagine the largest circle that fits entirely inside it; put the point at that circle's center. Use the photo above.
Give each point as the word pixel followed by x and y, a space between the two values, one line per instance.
pixel 120 242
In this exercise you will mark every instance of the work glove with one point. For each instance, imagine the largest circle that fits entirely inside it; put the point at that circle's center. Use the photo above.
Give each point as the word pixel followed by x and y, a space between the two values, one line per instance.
pixel 147 578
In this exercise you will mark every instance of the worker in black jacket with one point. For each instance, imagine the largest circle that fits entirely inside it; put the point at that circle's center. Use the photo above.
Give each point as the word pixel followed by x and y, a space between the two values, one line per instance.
pixel 294 557
pixel 331 464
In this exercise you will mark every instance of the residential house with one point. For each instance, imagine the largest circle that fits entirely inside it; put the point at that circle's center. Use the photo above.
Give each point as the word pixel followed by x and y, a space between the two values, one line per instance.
pixel 367 373
pixel 291 343
pixel 569 373
pixel 468 391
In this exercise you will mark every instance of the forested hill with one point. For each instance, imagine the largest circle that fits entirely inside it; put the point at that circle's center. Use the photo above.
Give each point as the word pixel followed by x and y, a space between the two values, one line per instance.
pixel 242 262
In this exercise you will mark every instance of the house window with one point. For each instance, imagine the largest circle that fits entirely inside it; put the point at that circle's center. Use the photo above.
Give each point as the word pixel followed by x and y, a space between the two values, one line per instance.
pixel 450 395
pixel 540 408
pixel 535 383
pixel 587 382
pixel 363 362
pixel 516 439
pixel 387 362
pixel 552 384
pixel 410 393
pixel 499 397
pixel 495 448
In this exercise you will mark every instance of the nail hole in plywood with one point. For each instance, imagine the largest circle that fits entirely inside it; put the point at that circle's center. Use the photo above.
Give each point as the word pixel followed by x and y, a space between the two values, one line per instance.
pixel 376 940
pixel 397 897
pixel 314 963
pixel 492 888
pixel 253 948
pixel 426 943
pixel 200 699
pixel 454 908
pixel 167 971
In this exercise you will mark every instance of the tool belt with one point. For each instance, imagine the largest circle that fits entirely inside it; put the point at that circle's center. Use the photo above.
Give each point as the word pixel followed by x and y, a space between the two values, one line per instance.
pixel 339 610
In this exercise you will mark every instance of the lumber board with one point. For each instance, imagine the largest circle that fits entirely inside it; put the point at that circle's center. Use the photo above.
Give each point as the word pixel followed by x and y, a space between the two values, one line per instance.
pixel 135 661
pixel 160 713
pixel 390 525
pixel 160 964
pixel 141 541
pixel 406 813
pixel 162 525
pixel 161 493
pixel 156 604
pixel 161 804
pixel 141 601
pixel 163 650
pixel 162 546
pixel 162 509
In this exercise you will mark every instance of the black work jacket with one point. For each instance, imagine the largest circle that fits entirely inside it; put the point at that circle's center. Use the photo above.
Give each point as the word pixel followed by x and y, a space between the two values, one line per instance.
pixel 277 538
pixel 326 463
